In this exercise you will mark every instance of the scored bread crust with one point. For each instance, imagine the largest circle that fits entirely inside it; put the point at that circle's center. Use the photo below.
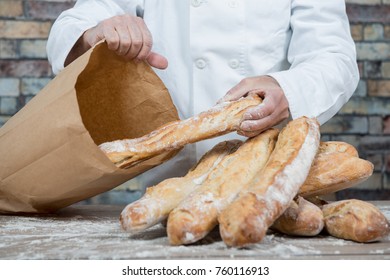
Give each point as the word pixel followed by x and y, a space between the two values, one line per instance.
pixel 221 119
pixel 336 166
pixel 355 220
pixel 337 147
pixel 302 218
pixel 247 219
pixel 155 205
pixel 197 214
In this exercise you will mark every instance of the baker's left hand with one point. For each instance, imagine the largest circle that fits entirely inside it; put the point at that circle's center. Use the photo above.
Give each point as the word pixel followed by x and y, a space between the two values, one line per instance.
pixel 273 110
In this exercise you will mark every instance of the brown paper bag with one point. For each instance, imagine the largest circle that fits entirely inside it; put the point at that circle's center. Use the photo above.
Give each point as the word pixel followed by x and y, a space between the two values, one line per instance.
pixel 49 157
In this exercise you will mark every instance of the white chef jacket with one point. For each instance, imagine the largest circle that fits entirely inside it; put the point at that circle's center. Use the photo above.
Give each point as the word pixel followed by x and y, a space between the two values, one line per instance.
pixel 211 45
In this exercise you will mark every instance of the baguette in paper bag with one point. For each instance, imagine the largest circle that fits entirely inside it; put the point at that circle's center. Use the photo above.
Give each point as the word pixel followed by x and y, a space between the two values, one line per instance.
pixel 49 150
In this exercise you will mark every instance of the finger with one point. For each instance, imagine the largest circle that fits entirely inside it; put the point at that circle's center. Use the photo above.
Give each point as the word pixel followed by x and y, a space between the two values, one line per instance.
pixel 258 112
pixel 237 91
pixel 156 60
pixel 111 36
pixel 93 36
pixel 124 39
pixel 249 134
pixel 256 125
pixel 250 128
pixel 258 118
pixel 136 39
pixel 147 40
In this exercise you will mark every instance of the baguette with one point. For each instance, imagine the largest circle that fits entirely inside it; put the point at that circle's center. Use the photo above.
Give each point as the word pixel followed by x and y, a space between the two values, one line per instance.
pixel 337 147
pixel 334 171
pixel 355 220
pixel 155 205
pixel 247 219
pixel 302 218
pixel 197 214
pixel 221 119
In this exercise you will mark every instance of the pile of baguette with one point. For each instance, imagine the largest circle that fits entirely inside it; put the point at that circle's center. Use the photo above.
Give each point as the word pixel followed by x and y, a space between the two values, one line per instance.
pixel 269 182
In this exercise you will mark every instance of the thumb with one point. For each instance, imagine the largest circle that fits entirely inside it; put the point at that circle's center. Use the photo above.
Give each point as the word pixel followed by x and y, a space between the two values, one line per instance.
pixel 156 60
pixel 238 91
pixel 233 94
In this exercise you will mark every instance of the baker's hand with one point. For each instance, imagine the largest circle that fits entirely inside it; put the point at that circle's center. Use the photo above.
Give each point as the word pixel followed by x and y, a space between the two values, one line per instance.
pixel 128 36
pixel 272 111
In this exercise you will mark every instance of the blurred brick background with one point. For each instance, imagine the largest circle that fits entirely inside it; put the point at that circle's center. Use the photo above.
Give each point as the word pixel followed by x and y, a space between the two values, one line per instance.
pixel 363 122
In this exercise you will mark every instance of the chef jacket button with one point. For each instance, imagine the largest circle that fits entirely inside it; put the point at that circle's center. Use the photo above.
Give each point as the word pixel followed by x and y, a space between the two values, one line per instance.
pixel 200 63
pixel 233 4
pixel 196 3
pixel 234 63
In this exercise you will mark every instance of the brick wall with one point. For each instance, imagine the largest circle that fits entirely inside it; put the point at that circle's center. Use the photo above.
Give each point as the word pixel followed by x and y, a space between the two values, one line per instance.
pixel 363 122
pixel 24 70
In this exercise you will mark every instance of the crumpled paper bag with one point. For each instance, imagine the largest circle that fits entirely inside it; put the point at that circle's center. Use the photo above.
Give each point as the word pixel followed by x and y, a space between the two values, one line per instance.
pixel 49 155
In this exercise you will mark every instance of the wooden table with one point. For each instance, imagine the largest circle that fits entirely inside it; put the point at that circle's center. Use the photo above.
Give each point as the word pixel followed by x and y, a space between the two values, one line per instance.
pixel 93 232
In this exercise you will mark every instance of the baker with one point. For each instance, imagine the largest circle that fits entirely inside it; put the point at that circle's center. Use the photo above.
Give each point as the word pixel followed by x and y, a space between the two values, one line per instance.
pixel 298 55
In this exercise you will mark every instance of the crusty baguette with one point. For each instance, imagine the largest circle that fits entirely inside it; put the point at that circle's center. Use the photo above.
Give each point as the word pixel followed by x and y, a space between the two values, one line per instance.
pixel 155 205
pixel 247 219
pixel 221 119
pixel 355 220
pixel 334 171
pixel 197 214
pixel 302 218
pixel 337 147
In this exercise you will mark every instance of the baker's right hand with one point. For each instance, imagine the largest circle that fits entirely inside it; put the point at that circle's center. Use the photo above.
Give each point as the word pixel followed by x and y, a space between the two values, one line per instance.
pixel 129 37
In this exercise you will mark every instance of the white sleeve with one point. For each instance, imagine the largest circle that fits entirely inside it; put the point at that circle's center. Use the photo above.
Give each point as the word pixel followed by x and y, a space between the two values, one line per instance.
pixel 323 73
pixel 72 23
